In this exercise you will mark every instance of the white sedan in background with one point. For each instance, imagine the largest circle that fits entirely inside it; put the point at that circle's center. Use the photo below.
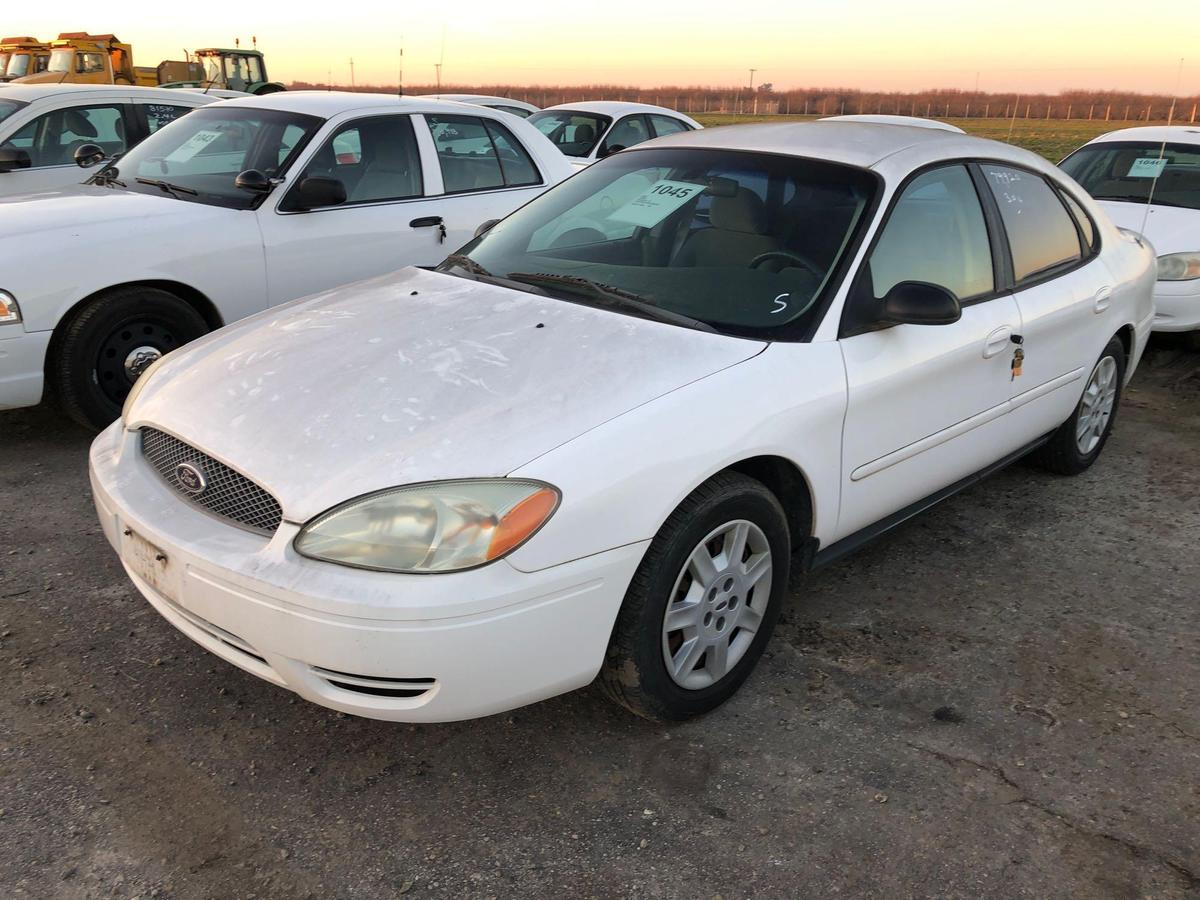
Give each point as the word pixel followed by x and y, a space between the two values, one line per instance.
pixel 235 208
pixel 42 125
pixel 1148 180
pixel 504 104
pixel 586 132
pixel 439 495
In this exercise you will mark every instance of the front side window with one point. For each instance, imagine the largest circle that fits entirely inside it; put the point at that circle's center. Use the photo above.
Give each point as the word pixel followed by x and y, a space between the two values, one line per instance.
pixel 935 233
pixel 628 132
pixel 477 154
pixel 744 243
pixel 667 125
pixel 1128 171
pixel 198 158
pixel 1040 232
pixel 91 62
pixel 573 133
pixel 375 159
pixel 52 138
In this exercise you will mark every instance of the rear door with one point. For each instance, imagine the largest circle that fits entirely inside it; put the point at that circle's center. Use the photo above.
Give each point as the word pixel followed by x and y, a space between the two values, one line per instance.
pixel 1063 291
pixel 925 403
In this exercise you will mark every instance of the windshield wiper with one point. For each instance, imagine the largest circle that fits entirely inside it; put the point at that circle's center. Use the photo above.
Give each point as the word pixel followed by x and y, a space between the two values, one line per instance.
pixel 612 297
pixel 167 187
pixel 466 263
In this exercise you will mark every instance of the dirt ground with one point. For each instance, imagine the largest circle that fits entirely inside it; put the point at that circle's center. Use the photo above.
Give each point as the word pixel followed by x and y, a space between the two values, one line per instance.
pixel 1000 699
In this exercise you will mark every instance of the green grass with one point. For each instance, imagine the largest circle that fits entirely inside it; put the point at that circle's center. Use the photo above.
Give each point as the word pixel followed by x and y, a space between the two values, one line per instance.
pixel 1052 138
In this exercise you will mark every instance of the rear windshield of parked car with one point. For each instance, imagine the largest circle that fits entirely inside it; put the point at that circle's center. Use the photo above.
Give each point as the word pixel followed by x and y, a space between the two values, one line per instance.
pixel 747 243
pixel 8 107
pixel 573 133
pixel 1129 171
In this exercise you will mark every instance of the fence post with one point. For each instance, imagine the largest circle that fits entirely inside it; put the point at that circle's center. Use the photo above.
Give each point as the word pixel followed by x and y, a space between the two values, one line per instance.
pixel 1194 105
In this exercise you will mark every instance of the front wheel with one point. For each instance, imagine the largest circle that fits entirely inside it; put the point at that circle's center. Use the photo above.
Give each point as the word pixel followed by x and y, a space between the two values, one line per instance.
pixel 103 349
pixel 1077 443
pixel 703 603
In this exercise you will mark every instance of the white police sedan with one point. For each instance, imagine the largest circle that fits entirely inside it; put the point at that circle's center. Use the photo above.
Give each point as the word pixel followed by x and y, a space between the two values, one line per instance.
pixel 232 209
pixel 595 449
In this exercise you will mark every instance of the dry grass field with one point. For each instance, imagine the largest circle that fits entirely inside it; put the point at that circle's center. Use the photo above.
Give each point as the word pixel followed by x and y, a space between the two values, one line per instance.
pixel 1052 138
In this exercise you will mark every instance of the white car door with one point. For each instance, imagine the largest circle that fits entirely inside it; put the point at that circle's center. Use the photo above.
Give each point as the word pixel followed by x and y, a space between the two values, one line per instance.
pixel 925 403
pixel 1063 291
pixel 51 134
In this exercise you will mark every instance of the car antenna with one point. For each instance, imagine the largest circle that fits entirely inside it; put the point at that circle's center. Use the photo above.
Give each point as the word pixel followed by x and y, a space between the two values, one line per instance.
pixel 1162 150
pixel 400 76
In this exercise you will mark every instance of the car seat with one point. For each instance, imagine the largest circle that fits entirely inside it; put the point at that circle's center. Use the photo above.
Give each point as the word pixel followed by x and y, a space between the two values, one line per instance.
pixel 738 234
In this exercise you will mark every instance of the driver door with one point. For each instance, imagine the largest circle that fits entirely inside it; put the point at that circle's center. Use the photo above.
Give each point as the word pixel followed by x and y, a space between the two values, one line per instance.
pixel 926 403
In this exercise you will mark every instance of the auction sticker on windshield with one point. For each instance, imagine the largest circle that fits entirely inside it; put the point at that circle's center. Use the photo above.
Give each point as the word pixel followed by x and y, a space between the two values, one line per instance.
pixel 1147 168
pixel 192 146
pixel 657 202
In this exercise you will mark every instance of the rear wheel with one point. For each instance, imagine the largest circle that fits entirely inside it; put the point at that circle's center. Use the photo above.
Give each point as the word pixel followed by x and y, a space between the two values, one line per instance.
pixel 703 603
pixel 1077 443
pixel 105 347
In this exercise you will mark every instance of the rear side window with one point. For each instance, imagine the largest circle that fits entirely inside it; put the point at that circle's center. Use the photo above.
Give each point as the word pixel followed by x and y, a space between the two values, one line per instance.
pixel 935 233
pixel 159 114
pixel 1040 231
pixel 666 125
pixel 479 154
pixel 1086 228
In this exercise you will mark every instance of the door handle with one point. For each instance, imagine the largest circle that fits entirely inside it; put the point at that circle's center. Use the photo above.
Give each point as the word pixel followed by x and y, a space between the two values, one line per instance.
pixel 997 342
pixel 426 222
pixel 1103 299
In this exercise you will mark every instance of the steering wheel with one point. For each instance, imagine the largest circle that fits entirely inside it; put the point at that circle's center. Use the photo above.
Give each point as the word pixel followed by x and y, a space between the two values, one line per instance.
pixel 803 261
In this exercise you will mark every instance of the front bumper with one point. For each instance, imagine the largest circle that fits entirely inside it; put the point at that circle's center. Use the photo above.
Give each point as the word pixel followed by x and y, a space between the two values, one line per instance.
pixel 410 648
pixel 1177 305
pixel 22 366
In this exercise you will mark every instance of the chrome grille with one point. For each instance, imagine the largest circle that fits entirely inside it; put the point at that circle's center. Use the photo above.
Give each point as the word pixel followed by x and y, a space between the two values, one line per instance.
pixel 226 493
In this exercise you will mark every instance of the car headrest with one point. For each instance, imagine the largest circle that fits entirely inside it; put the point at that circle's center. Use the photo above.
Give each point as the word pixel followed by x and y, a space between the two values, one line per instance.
pixel 79 124
pixel 744 211
pixel 584 134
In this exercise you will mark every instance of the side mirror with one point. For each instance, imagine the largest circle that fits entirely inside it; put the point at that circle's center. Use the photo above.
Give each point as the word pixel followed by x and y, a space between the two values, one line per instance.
pixel 920 303
pixel 252 180
pixel 89 155
pixel 485 227
pixel 607 150
pixel 12 158
pixel 316 192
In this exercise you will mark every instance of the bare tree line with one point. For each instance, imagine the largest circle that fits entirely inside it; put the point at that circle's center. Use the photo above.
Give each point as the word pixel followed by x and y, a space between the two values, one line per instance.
pixel 1116 106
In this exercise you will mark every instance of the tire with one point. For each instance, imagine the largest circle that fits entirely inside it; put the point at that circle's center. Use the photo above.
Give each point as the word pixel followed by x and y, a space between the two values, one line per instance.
pixel 1068 453
pixel 635 670
pixel 88 374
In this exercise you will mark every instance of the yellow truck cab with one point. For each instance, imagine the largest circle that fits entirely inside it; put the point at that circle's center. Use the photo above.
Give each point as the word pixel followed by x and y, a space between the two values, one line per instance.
pixel 20 56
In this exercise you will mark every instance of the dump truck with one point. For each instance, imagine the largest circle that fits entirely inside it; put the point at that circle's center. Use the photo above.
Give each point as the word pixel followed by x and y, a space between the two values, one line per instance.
pixel 82 58
pixel 21 56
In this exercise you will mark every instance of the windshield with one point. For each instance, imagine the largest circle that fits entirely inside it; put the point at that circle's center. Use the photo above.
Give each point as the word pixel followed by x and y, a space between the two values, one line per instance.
pixel 8 107
pixel 574 133
pixel 18 65
pixel 1128 170
pixel 62 60
pixel 205 150
pixel 744 242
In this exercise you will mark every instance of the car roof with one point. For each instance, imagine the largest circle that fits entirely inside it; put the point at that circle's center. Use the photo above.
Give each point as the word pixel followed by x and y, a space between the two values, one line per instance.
pixel 616 108
pixel 1178 134
pixel 332 103
pixel 30 93
pixel 862 144
pixel 885 119
pixel 478 99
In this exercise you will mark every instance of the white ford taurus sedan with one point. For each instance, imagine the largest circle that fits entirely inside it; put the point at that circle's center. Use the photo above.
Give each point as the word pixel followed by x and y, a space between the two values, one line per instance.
pixel 1148 180
pixel 594 449
pixel 235 208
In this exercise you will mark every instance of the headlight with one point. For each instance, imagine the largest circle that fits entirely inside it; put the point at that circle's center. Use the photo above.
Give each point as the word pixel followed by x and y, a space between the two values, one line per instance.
pixel 443 526
pixel 136 389
pixel 9 311
pixel 1179 266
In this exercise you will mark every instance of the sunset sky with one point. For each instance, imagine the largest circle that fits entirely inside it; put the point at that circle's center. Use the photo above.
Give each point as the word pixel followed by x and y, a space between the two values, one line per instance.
pixel 873 44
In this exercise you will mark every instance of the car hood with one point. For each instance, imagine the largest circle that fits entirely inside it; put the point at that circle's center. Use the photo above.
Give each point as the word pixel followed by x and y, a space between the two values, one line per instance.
pixel 1169 228
pixel 414 376
pixel 87 212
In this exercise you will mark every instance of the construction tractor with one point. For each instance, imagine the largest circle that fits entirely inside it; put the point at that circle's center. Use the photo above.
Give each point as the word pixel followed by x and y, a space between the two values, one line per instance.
pixel 21 56
pixel 82 58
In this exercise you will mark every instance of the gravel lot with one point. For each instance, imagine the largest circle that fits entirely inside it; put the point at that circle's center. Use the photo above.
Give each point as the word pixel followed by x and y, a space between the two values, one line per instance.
pixel 1000 699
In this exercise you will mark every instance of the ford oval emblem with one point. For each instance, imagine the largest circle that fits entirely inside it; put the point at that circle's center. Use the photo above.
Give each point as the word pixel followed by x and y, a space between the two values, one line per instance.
pixel 191 478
